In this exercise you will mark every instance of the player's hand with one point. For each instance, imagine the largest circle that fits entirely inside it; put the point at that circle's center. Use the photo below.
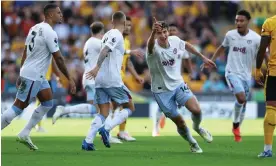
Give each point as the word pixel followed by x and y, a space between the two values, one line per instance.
pixel 137 52
pixel 140 80
pixel 18 82
pixel 207 63
pixel 259 77
pixel 72 86
pixel 156 27
pixel 93 73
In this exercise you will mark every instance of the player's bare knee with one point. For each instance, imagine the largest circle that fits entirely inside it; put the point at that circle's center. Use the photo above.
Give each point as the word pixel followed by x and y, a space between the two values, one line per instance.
pixel 20 104
pixel 195 109
pixel 241 99
pixel 129 105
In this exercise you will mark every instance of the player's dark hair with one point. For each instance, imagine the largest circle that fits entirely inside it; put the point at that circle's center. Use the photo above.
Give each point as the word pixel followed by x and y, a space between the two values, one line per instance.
pixel 96 27
pixel 49 7
pixel 172 25
pixel 244 13
pixel 164 25
pixel 128 18
pixel 118 16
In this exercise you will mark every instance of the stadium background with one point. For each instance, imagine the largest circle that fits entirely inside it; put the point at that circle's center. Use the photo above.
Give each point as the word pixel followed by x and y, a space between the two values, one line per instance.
pixel 203 24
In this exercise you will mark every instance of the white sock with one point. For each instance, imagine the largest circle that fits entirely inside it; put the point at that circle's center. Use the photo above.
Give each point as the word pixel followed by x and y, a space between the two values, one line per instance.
pixel 267 147
pixel 196 121
pixel 242 115
pixel 9 115
pixel 37 116
pixel 156 119
pixel 185 133
pixel 118 119
pixel 237 111
pixel 81 109
pixel 95 125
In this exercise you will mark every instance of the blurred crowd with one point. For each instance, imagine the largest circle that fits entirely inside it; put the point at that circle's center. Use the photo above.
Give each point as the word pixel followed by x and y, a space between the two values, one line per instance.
pixel 194 19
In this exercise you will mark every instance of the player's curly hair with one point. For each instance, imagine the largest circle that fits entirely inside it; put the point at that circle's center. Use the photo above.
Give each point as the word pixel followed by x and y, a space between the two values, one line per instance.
pixel 244 13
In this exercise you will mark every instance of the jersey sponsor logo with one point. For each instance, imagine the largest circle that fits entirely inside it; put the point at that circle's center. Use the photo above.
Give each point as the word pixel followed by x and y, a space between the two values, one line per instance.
pixel 174 50
pixel 168 62
pixel 249 41
pixel 238 49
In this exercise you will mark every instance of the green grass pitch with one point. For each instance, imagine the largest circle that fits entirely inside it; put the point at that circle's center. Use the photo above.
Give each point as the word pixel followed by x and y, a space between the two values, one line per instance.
pixel 61 146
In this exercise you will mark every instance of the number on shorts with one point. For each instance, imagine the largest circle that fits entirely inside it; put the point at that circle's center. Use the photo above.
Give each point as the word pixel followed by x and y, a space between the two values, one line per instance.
pixel 32 43
pixel 185 88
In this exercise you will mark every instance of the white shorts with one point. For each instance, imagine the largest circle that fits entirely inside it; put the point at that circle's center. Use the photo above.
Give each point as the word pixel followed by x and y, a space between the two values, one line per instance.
pixel 169 101
pixel 238 85
pixel 29 88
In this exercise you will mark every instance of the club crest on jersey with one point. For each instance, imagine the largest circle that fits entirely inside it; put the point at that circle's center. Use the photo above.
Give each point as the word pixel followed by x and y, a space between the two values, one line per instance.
pixel 174 50
pixel 249 41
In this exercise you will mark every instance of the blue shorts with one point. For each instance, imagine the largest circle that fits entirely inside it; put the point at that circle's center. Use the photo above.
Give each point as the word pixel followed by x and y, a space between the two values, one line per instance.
pixel 169 101
pixel 238 85
pixel 120 95
pixel 30 88
pixel 90 92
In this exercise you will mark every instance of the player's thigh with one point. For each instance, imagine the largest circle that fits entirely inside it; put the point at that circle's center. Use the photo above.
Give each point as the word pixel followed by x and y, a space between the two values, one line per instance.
pixel 270 90
pixel 167 104
pixel 236 85
pixel 45 92
pixel 102 96
pixel 120 95
pixel 193 106
pixel 27 90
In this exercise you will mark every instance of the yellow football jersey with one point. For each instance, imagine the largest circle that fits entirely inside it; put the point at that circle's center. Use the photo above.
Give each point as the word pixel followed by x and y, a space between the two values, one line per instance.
pixel 126 56
pixel 48 75
pixel 269 29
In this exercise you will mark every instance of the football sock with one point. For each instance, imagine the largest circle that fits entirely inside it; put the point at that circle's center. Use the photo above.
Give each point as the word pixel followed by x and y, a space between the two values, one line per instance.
pixel 94 127
pixel 9 115
pixel 269 126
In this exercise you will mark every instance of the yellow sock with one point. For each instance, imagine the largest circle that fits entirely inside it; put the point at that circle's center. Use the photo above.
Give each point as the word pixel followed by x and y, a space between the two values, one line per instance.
pixel 269 124
pixel 122 126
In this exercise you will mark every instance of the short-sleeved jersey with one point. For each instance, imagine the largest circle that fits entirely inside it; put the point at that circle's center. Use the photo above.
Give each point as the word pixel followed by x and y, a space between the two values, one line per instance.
pixel 41 42
pixel 165 65
pixel 269 29
pixel 242 53
pixel 109 74
pixel 91 50
pixel 126 57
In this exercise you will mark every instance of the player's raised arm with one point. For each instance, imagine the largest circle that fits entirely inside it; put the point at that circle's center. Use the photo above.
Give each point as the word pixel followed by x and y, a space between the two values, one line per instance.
pixel 192 50
pixel 155 27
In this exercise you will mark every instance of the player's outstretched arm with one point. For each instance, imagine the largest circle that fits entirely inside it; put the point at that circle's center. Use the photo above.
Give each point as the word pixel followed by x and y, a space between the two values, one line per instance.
pixel 62 67
pixel 192 50
pixel 103 53
pixel 133 72
pixel 265 40
pixel 217 53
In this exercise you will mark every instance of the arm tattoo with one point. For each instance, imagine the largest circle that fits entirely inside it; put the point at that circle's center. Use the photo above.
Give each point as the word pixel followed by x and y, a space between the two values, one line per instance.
pixel 103 55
